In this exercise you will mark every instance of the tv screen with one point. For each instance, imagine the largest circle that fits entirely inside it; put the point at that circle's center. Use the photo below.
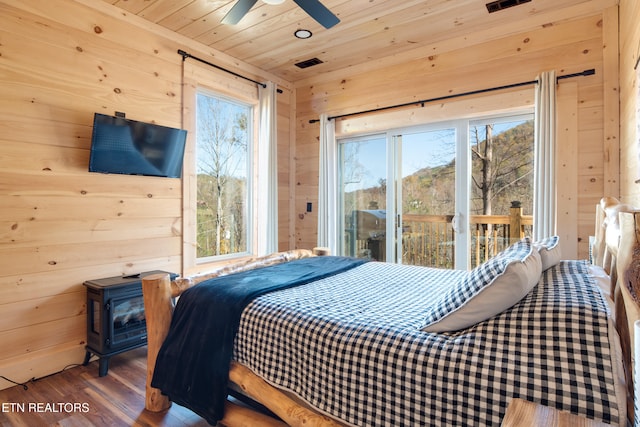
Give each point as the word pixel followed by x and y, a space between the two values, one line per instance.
pixel 125 146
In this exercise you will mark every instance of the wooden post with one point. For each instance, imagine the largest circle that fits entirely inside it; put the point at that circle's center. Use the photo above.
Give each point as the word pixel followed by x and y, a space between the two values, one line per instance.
pixel 516 229
pixel 156 290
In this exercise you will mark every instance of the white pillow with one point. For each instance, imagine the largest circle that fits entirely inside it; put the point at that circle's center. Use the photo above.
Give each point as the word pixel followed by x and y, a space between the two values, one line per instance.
pixel 487 290
pixel 549 250
pixel 603 281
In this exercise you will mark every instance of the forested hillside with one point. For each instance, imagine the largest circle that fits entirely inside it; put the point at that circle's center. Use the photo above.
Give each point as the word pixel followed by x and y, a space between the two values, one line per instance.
pixel 502 172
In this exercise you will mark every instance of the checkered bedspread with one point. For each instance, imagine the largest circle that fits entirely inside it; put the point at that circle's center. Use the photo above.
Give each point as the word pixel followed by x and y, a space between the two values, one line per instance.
pixel 351 346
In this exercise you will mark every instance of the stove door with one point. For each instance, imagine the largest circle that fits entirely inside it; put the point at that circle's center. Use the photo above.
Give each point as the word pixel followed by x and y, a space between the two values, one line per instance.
pixel 127 326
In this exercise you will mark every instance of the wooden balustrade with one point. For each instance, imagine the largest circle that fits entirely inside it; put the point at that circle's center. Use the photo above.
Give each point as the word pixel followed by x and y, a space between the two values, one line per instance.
pixel 428 240
pixel 494 233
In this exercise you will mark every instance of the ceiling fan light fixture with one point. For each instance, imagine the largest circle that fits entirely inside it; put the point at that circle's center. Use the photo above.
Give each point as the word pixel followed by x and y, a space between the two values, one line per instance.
pixel 303 34
pixel 313 8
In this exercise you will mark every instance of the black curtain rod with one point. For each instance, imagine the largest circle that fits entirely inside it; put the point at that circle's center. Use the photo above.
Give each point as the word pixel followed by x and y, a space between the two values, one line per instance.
pixel 186 55
pixel 441 98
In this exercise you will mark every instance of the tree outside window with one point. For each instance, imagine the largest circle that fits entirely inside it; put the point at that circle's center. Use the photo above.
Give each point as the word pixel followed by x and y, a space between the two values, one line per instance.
pixel 223 139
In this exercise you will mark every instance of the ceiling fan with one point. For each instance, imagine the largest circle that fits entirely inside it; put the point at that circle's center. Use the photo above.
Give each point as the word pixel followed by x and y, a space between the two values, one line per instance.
pixel 314 8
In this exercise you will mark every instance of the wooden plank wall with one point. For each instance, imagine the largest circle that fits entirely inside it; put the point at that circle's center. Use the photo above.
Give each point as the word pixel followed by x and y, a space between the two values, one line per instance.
pixel 629 101
pixel 62 61
pixel 60 225
pixel 570 41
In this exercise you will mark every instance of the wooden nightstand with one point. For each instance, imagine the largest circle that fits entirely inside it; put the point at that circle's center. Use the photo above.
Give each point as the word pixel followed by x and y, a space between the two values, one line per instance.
pixel 521 413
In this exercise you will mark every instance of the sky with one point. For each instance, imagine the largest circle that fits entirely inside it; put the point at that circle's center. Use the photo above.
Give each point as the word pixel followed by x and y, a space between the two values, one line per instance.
pixel 419 150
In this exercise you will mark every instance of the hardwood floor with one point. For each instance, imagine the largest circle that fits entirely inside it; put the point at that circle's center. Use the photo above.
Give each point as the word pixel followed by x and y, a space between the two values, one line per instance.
pixel 79 397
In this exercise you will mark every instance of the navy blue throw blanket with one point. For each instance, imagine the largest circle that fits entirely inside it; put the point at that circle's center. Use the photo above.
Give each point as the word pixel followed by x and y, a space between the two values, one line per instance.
pixel 192 367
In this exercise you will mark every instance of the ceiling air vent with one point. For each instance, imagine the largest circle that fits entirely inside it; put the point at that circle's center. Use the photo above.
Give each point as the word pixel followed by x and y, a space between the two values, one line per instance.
pixel 308 63
pixel 495 6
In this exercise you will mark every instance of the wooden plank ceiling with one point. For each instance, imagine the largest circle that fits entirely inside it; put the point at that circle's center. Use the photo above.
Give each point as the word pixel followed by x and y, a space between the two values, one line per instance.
pixel 371 33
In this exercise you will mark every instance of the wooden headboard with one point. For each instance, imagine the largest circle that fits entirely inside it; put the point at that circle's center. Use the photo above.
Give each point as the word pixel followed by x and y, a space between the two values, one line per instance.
pixel 617 249
pixel 607 235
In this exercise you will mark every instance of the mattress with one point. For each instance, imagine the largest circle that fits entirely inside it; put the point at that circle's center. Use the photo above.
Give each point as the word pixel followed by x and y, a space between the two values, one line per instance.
pixel 352 346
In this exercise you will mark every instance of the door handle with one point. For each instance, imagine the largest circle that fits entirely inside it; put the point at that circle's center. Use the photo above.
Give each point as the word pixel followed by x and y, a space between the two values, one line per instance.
pixel 456 223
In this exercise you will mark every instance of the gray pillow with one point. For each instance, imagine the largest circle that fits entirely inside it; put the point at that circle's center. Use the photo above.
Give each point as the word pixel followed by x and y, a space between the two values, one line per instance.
pixel 487 290
pixel 549 251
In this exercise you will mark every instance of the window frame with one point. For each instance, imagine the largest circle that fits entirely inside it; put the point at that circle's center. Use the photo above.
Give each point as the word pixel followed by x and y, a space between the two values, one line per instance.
pixel 462 124
pixel 250 176
pixel 198 79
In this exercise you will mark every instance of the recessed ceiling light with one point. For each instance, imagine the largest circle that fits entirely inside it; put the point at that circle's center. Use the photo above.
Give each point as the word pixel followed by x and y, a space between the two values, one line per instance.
pixel 302 34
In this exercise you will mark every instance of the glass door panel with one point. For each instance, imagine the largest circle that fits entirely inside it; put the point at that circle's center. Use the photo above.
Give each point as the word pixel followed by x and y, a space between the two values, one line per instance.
pixel 502 174
pixel 426 195
pixel 362 196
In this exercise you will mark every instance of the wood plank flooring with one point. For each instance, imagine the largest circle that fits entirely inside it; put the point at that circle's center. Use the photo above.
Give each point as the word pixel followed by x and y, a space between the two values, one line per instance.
pixel 79 397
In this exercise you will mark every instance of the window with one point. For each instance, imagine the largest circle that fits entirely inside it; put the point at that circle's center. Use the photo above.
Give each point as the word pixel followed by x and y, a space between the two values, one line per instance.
pixel 224 141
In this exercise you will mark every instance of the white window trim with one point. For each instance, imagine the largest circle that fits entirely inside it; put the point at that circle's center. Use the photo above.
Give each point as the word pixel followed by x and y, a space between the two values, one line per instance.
pixel 352 129
pixel 251 183
pixel 199 79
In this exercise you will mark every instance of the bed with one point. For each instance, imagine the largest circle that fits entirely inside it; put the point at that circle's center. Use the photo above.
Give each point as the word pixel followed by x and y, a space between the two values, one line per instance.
pixel 335 349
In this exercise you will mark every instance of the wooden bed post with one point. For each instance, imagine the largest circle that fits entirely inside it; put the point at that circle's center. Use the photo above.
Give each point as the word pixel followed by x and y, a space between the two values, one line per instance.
pixel 627 262
pixel 156 290
pixel 321 251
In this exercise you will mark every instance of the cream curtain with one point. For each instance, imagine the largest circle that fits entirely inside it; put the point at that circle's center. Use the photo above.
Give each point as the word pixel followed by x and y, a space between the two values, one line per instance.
pixel 327 188
pixel 267 185
pixel 544 199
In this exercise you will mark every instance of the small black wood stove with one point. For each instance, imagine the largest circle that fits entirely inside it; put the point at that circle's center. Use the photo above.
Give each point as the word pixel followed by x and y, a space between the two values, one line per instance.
pixel 115 317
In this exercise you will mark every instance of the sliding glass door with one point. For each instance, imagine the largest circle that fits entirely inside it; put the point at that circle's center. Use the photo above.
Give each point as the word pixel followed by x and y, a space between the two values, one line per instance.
pixel 436 195
pixel 398 196
pixel 363 196
pixel 501 178
pixel 427 194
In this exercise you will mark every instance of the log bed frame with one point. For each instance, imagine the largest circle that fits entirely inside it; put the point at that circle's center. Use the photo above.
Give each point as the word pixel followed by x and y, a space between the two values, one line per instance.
pixel 616 248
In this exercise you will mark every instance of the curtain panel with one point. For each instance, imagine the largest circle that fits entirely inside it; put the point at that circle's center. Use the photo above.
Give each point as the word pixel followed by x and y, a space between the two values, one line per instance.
pixel 544 199
pixel 267 198
pixel 328 186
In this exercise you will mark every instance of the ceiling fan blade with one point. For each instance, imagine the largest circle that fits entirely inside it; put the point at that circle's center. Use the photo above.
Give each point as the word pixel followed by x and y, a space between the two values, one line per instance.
pixel 319 12
pixel 237 12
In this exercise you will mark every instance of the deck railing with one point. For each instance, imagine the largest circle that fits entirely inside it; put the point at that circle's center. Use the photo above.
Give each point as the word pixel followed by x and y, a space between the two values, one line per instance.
pixel 428 240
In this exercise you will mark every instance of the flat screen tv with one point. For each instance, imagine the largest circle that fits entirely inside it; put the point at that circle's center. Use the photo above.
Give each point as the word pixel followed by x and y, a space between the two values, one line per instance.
pixel 124 146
